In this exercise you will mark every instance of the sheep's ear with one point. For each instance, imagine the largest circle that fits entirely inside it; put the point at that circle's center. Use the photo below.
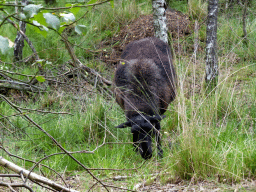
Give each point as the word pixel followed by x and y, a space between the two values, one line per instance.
pixel 157 117
pixel 124 125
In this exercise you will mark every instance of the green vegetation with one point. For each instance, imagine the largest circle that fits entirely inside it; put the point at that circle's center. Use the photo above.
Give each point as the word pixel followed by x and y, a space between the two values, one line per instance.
pixel 204 136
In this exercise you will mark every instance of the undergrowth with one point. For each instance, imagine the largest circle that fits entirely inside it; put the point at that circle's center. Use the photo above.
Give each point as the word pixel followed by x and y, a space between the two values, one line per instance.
pixel 204 136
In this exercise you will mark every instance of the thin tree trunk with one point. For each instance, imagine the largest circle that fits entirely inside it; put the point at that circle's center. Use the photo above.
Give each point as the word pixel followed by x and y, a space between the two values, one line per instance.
pixel 211 69
pixel 159 19
pixel 19 41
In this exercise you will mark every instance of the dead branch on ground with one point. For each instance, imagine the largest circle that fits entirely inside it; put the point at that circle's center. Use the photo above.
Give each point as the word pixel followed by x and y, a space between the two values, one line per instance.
pixel 54 141
pixel 11 84
pixel 31 176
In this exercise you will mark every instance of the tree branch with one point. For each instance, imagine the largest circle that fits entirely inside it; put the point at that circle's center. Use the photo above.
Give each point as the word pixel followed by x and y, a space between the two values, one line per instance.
pixel 10 185
pixel 54 141
pixel 12 155
pixel 19 86
pixel 32 176
pixel 27 39
pixel 57 8
pixel 78 63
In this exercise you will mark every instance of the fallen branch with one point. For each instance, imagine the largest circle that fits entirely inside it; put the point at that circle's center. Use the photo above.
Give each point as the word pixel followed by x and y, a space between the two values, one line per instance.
pixel 19 86
pixel 11 185
pixel 32 176
pixel 12 155
pixel 54 141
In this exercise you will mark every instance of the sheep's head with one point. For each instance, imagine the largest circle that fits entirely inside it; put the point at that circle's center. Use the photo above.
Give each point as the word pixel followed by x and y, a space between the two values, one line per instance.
pixel 142 128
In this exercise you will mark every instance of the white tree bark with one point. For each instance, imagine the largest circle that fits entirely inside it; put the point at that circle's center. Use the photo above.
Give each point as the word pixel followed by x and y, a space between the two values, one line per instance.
pixel 33 176
pixel 159 19
pixel 211 69
pixel 19 41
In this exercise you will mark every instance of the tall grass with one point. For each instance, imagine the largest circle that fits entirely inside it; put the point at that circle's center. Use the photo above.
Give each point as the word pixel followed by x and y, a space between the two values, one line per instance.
pixel 215 134
pixel 197 9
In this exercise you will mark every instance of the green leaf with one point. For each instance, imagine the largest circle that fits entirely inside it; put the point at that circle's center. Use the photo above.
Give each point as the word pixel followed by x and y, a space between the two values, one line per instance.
pixel 52 20
pixel 2 2
pixel 40 19
pixel 31 10
pixel 80 29
pixel 61 29
pixel 42 30
pixel 68 5
pixel 91 2
pixel 40 78
pixel 1 17
pixel 68 17
pixel 112 3
pixel 75 10
pixel 4 44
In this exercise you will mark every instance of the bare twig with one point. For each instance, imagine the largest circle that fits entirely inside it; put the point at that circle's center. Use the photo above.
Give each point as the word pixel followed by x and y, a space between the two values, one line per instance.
pixel 19 86
pixel 7 17
pixel 40 111
pixel 32 176
pixel 10 185
pixel 9 175
pixel 77 63
pixel 33 80
pixel 56 8
pixel 10 154
pixel 27 39
pixel 54 140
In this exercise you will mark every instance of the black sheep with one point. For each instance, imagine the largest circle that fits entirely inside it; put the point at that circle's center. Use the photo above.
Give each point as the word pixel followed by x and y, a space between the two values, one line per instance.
pixel 145 83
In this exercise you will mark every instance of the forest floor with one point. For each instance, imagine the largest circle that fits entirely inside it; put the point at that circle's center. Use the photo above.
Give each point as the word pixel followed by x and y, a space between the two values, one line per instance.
pixel 76 182
pixel 204 186
pixel 179 26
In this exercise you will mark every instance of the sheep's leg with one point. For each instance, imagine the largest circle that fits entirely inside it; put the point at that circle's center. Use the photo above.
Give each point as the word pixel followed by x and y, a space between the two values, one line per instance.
pixel 135 141
pixel 158 142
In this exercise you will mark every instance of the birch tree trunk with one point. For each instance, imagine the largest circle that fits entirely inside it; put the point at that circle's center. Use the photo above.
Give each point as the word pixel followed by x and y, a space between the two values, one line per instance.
pixel 159 19
pixel 211 69
pixel 19 41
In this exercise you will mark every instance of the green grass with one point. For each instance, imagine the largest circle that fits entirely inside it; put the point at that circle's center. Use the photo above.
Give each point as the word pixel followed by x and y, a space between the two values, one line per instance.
pixel 204 136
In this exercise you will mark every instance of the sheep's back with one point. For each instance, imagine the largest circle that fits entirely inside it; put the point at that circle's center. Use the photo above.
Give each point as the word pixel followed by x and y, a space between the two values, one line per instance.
pixel 155 49
pixel 146 76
